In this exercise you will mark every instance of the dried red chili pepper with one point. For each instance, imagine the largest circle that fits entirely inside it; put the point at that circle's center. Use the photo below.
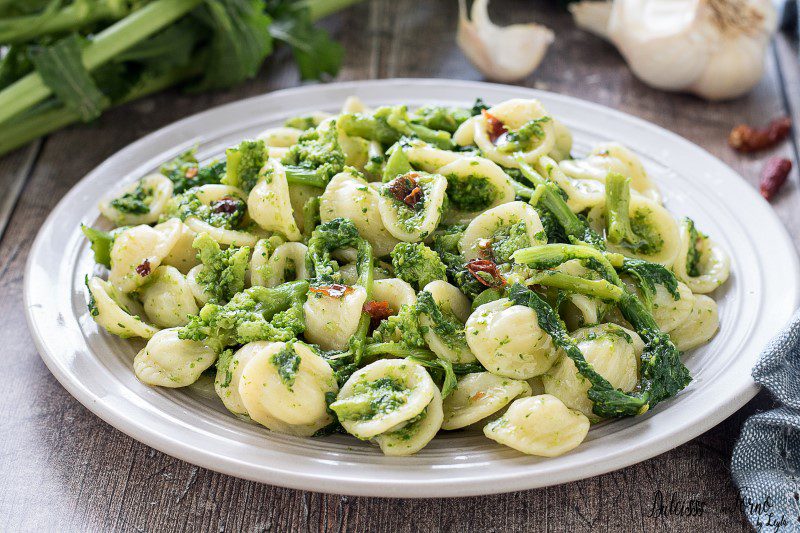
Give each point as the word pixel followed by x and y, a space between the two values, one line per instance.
pixel 495 127
pixel 227 205
pixel 377 311
pixel 773 176
pixel 405 189
pixel 334 291
pixel 486 272
pixel 143 269
pixel 746 139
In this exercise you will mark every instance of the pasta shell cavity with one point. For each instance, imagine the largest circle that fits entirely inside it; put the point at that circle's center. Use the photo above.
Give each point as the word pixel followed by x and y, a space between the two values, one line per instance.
pixel 508 341
pixel 210 214
pixel 141 202
pixel 650 221
pixel 712 265
pixel 351 197
pixel 332 320
pixel 428 158
pixel 443 318
pixel 138 251
pixel 514 117
pixel 280 137
pixel 539 425
pixel 474 184
pixel 478 396
pixel 169 361
pixel 283 386
pixel 116 312
pixel 393 291
pixel 182 255
pixel 612 351
pixel 269 203
pixel 416 433
pixel 383 397
pixel 582 194
pixel 497 233
pixel 286 263
pixel 167 298
pixel 411 205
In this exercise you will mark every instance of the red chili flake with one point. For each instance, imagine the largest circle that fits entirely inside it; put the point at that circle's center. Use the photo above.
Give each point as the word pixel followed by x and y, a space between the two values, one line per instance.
pixel 143 269
pixel 495 127
pixel 334 291
pixel 486 272
pixel 377 311
pixel 227 205
pixel 191 172
pixel 773 176
pixel 477 396
pixel 406 190
pixel 746 139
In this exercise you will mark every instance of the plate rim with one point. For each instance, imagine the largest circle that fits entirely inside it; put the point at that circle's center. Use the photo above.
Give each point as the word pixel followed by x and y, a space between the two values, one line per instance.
pixel 741 394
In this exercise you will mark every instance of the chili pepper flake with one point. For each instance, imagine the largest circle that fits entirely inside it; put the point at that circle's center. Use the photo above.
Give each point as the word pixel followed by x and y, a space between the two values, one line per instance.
pixel 773 176
pixel 405 189
pixel 143 269
pixel 336 290
pixel 377 311
pixel 746 139
pixel 191 172
pixel 494 126
pixel 227 205
pixel 486 272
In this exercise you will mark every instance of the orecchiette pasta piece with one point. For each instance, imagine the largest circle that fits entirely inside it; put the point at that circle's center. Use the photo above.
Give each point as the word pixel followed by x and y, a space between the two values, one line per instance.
pixel 649 220
pixel 700 327
pixel 508 341
pixel 502 230
pixel 229 374
pixel 582 194
pixel 612 157
pixel 447 340
pixel 141 202
pixel 539 425
pixel 299 195
pixel 351 197
pixel 353 104
pixel 280 137
pixel 394 291
pixel 415 434
pixel 138 251
pixel 197 288
pixel 563 141
pixel 286 263
pixel 668 312
pixel 383 395
pixel 612 351
pixel 207 195
pixel 411 205
pixel 580 310
pixel 513 115
pixel 116 312
pixel 713 266
pixel 168 298
pixel 331 321
pixel 478 396
pixel 474 184
pixel 276 152
pixel 283 387
pixel 465 133
pixel 168 361
pixel 349 272
pixel 269 203
pixel 425 157
pixel 182 256
pixel 355 149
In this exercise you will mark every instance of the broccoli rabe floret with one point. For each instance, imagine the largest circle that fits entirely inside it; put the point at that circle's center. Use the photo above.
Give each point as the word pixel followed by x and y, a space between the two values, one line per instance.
pixel 316 157
pixel 437 117
pixel 397 164
pixel 305 122
pixel 185 172
pixel 508 239
pixel 633 233
pixel 417 264
pixel 470 193
pixel 244 164
pixel 333 235
pixel 226 213
pixel 404 326
pixel 258 313
pixel 445 244
pixel 136 201
pixel 388 124
pixel 521 139
pixel 101 242
pixel 223 271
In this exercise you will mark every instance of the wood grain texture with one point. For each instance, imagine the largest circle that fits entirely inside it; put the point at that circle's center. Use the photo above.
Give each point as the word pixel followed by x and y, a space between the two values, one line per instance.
pixel 61 468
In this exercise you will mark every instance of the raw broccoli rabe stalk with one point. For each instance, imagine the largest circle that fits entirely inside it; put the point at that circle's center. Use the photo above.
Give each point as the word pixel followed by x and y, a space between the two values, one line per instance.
pixel 185 172
pixel 521 139
pixel 417 264
pixel 388 124
pixel 257 313
pixel 662 373
pixel 437 117
pixel 316 157
pixel 101 243
pixel 223 271
pixel 619 226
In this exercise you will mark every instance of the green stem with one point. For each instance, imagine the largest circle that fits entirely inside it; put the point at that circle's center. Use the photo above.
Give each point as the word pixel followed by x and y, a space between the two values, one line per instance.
pixel 301 176
pixel 398 350
pixel 71 18
pixel 599 288
pixel 30 90
pixel 552 255
pixel 322 8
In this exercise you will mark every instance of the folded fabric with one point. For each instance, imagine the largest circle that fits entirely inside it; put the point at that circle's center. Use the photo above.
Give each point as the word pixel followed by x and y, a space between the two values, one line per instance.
pixel 766 460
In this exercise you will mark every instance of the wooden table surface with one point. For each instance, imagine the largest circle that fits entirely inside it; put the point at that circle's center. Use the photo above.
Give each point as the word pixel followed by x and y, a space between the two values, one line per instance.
pixel 62 468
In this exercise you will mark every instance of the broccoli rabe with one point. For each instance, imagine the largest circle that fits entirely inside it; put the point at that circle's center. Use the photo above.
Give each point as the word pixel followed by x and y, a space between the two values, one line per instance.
pixel 244 164
pixel 136 201
pixel 101 243
pixel 437 117
pixel 417 264
pixel 396 165
pixel 305 122
pixel 388 124
pixel 402 327
pixel 226 213
pixel 223 271
pixel 316 157
pixel 257 313
pixel 470 193
pixel 521 139
pixel 693 255
pixel 647 275
pixel 185 172
pixel 635 233
pixel 445 244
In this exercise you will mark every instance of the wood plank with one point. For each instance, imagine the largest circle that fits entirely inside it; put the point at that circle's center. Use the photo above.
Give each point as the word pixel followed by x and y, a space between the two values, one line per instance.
pixel 62 468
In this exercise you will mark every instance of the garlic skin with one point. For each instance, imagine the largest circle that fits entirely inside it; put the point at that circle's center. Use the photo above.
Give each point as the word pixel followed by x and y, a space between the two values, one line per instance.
pixel 712 48
pixel 504 54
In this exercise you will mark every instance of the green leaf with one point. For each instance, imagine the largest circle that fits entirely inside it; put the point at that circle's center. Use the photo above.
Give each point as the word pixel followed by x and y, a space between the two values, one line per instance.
pixel 170 48
pixel 61 68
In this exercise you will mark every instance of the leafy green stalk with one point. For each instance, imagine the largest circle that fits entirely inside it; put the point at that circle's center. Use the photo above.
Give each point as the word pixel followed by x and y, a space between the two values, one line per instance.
pixel 417 264
pixel 388 124
pixel 396 165
pixel 55 20
pixel 619 227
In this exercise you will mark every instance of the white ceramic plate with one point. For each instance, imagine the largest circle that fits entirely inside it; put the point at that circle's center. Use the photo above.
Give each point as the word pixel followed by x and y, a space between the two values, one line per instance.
pixel 193 425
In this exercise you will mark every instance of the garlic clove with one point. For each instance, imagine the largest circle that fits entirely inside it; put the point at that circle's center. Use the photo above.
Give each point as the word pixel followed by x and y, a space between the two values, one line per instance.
pixel 592 16
pixel 732 71
pixel 501 53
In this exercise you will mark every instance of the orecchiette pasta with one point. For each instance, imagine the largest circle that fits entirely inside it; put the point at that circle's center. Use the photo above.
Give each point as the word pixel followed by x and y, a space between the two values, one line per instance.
pixel 141 202
pixel 138 251
pixel 474 184
pixel 209 195
pixel 286 263
pixel 116 312
pixel 182 256
pixel 167 298
pixel 411 205
pixel 445 336
pixel 269 204
pixel 502 230
pixel 582 194
pixel 711 266
pixel 393 291
pixel 168 361
pixel 539 425
pixel 332 320
pixel 229 374
pixel 281 137
pixel 416 433
pixel 699 327
pixel 478 396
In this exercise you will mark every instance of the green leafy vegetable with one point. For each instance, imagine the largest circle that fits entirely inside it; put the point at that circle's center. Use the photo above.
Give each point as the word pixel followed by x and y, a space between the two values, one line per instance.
pixel 287 363
pixel 101 243
pixel 223 271
pixel 417 264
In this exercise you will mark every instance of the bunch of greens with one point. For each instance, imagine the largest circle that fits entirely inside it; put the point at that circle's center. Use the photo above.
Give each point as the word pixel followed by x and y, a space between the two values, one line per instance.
pixel 66 61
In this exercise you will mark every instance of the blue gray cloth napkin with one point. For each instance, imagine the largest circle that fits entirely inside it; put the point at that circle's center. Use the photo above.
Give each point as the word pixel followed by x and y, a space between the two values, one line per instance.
pixel 766 460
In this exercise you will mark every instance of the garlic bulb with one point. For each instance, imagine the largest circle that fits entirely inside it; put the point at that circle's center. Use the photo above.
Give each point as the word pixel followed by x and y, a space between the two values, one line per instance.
pixel 712 48
pixel 501 53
